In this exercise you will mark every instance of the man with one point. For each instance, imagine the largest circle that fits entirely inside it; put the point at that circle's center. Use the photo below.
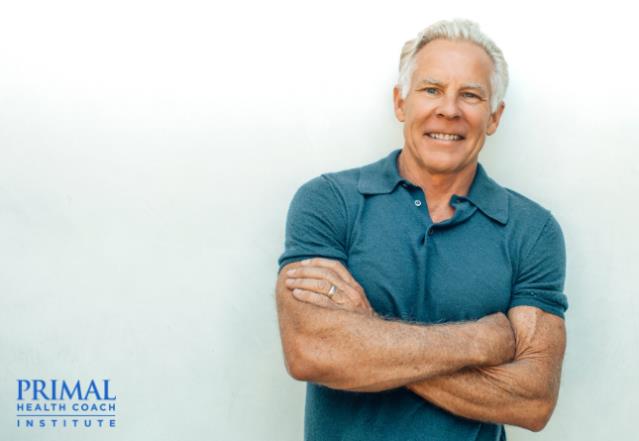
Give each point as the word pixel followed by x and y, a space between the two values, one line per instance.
pixel 418 298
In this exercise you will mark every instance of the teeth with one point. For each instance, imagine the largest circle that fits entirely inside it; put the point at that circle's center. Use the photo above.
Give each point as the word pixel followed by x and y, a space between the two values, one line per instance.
pixel 444 136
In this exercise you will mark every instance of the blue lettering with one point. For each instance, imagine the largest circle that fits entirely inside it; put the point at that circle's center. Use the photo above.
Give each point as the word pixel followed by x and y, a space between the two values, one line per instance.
pixel 92 389
pixel 23 386
pixel 71 393
pixel 60 390
pixel 38 389
pixel 106 391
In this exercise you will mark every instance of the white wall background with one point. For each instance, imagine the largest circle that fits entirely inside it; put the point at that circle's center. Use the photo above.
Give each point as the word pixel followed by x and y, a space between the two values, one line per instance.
pixel 149 150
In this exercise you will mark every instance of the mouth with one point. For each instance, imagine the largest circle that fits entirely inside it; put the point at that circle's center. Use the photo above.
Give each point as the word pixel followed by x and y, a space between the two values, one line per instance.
pixel 445 136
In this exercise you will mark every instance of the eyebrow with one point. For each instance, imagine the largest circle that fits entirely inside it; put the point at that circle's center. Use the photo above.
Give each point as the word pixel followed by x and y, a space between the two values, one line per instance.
pixel 429 80
pixel 436 82
pixel 474 86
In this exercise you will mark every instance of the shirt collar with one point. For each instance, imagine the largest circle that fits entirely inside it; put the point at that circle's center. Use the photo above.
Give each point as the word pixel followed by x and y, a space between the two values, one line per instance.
pixel 490 197
pixel 382 177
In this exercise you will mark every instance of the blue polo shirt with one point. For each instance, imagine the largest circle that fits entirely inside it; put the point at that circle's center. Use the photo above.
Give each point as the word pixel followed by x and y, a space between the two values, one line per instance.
pixel 499 250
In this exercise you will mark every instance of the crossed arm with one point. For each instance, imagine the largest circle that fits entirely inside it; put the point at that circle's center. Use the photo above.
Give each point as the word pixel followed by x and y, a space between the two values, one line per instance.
pixel 522 392
pixel 497 369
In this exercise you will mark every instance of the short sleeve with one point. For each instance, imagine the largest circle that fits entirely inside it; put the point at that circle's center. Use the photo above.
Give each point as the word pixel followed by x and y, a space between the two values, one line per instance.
pixel 315 224
pixel 540 280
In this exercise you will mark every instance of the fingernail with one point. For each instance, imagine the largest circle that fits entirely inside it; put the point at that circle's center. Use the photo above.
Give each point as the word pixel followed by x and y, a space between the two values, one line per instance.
pixel 290 272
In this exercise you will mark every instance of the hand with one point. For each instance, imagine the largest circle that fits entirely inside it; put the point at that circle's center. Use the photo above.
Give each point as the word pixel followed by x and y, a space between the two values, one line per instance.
pixel 326 283
pixel 496 339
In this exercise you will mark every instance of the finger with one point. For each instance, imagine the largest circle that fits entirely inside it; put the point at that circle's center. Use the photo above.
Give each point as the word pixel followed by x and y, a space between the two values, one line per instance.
pixel 335 265
pixel 313 298
pixel 343 293
pixel 355 297
pixel 316 272
pixel 327 276
pixel 319 286
pixel 352 290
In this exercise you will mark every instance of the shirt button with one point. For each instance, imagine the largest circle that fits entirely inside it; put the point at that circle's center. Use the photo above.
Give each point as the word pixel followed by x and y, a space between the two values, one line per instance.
pixel 418 203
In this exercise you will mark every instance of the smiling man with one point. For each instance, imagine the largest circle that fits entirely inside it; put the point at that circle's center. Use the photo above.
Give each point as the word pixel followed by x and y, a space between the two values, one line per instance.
pixel 418 298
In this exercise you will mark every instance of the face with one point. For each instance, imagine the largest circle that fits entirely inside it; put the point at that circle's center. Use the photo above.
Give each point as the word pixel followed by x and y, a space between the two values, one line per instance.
pixel 446 113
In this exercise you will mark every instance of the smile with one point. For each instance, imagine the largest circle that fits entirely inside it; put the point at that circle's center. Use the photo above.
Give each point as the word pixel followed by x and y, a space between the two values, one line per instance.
pixel 445 136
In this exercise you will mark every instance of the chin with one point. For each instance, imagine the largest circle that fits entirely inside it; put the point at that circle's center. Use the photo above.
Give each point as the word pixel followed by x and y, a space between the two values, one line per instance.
pixel 441 163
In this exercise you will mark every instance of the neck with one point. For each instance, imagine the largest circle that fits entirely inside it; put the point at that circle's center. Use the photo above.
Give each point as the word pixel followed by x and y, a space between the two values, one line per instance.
pixel 438 187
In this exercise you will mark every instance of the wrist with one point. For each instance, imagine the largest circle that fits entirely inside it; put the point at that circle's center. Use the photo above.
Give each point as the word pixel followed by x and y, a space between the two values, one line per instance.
pixel 494 340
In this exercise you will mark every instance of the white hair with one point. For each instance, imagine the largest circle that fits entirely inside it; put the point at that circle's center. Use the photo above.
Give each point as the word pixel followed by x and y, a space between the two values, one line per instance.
pixel 455 30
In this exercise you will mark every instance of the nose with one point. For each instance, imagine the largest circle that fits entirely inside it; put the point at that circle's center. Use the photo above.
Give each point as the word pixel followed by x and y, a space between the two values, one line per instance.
pixel 448 107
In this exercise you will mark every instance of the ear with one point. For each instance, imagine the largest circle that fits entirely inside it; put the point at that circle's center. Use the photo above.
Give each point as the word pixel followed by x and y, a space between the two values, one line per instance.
pixel 398 104
pixel 493 123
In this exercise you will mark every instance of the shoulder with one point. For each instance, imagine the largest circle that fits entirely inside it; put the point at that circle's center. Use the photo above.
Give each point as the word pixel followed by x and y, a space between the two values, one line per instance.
pixel 533 228
pixel 320 217
pixel 328 190
pixel 346 186
pixel 529 225
pixel 329 198
pixel 524 209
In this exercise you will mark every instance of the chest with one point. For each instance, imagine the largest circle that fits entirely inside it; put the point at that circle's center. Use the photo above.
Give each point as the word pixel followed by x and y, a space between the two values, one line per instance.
pixel 414 270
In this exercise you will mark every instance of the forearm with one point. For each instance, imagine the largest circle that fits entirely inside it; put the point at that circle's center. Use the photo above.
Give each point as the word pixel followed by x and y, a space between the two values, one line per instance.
pixel 506 394
pixel 351 351
pixel 347 350
pixel 523 392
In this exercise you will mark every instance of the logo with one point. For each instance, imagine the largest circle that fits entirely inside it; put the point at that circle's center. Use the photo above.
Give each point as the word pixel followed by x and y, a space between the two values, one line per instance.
pixel 63 404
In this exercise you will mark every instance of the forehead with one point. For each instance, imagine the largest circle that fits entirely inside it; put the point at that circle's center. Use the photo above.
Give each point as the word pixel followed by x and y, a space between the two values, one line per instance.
pixel 453 61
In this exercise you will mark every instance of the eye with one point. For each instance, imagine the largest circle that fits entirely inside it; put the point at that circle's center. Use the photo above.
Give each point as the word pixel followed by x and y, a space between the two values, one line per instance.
pixel 471 95
pixel 430 90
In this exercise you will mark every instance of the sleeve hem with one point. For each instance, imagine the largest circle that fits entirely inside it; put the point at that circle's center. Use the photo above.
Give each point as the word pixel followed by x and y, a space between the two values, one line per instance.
pixel 552 302
pixel 285 261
